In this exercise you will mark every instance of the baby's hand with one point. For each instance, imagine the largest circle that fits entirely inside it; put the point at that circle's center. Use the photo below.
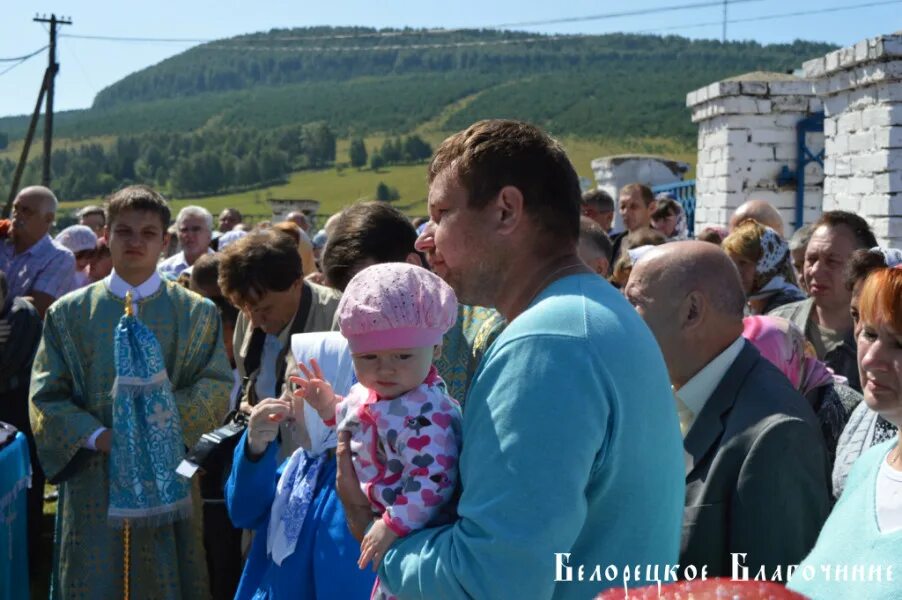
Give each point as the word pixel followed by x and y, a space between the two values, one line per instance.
pixel 315 390
pixel 375 544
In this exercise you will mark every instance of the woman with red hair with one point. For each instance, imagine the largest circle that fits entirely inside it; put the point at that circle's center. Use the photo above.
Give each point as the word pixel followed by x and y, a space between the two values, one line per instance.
pixel 865 527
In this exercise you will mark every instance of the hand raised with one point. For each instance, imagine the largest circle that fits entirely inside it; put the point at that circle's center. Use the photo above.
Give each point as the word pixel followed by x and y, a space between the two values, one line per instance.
pixel 315 390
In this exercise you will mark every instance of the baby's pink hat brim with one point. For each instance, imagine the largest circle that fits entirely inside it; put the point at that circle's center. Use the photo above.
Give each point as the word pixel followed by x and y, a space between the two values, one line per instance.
pixel 403 337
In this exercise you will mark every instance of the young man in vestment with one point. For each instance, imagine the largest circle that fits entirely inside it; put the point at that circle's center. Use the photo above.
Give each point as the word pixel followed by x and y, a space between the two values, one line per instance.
pixel 100 448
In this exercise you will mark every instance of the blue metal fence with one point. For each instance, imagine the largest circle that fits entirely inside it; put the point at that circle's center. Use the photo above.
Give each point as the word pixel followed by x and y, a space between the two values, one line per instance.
pixel 684 192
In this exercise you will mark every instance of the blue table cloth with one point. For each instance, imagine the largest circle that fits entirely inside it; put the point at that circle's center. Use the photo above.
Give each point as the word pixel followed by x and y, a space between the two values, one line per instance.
pixel 15 478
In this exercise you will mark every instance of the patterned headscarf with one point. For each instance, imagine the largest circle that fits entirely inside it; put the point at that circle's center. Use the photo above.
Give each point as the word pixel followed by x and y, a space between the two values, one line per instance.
pixel 891 256
pixel 784 345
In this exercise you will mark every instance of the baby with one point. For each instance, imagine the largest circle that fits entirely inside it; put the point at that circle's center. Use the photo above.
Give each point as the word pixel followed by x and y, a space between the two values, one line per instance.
pixel 405 429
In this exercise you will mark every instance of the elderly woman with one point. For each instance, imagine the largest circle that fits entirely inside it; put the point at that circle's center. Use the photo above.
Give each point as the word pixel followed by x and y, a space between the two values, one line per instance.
pixel 783 344
pixel 765 266
pixel 82 242
pixel 866 428
pixel 865 527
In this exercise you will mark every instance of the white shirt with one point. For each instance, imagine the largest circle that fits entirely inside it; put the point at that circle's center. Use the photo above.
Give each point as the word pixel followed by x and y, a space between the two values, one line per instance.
pixel 119 287
pixel 889 498
pixel 696 392
pixel 173 266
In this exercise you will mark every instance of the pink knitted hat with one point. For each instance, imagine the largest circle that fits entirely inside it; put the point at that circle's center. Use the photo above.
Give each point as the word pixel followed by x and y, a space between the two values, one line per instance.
pixel 395 305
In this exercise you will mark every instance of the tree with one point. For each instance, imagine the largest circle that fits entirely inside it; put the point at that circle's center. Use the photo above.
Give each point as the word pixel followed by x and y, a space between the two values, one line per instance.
pixel 385 193
pixel 4 140
pixel 376 161
pixel 357 153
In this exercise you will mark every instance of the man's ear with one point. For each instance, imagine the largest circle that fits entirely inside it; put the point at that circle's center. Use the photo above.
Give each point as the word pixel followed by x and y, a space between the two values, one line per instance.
pixel 166 237
pixel 509 204
pixel 437 352
pixel 693 310
pixel 415 259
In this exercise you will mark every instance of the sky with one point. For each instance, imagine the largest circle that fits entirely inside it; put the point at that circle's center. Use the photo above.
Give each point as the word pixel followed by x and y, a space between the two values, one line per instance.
pixel 87 66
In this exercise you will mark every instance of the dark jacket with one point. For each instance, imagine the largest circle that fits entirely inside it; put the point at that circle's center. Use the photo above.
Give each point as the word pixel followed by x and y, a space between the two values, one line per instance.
pixel 843 359
pixel 756 473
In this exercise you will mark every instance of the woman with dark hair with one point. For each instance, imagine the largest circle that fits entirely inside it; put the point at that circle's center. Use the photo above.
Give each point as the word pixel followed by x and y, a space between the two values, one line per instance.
pixel 670 219
pixel 765 266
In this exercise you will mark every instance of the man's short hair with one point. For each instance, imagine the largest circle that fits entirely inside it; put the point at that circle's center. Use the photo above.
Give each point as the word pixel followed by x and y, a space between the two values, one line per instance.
pixel 205 272
pixel 233 211
pixel 366 231
pixel 600 200
pixel 864 237
pixel 492 154
pixel 643 190
pixel 93 209
pixel 195 211
pixel 141 198
pixel 260 262
pixel 51 204
pixel 595 236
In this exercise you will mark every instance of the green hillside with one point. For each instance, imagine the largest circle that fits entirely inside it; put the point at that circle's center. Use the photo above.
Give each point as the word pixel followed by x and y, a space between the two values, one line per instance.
pixel 242 114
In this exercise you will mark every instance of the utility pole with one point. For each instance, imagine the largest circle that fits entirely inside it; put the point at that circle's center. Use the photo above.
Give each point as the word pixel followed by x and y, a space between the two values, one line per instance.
pixel 46 89
pixel 724 35
pixel 52 68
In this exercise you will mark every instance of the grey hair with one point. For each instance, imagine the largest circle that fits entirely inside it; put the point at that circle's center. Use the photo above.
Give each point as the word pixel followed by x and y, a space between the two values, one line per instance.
pixel 195 211
pixel 51 204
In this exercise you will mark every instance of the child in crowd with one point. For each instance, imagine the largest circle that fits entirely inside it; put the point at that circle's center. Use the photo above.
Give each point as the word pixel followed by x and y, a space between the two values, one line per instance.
pixel 405 429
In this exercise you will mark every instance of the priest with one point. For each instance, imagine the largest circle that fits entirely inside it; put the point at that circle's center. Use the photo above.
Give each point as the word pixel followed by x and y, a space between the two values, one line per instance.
pixel 109 431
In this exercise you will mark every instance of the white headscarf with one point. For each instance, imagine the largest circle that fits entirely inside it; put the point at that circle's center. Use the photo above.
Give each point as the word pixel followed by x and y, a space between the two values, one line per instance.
pixel 297 485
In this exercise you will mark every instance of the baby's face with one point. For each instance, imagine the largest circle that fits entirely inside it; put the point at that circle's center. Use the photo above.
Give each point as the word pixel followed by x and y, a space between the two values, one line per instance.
pixel 391 373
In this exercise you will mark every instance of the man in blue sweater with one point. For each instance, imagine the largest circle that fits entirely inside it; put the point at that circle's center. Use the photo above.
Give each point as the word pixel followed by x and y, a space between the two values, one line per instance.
pixel 571 445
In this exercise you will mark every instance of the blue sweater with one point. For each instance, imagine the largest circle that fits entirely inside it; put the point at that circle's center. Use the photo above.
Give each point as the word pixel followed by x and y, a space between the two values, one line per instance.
pixel 571 444
pixel 851 537
pixel 324 563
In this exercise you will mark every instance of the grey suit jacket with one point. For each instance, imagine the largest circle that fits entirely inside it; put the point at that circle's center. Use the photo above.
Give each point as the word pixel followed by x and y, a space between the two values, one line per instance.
pixel 756 473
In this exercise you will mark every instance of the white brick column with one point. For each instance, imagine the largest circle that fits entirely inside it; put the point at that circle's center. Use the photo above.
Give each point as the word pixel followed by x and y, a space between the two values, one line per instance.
pixel 861 88
pixel 746 135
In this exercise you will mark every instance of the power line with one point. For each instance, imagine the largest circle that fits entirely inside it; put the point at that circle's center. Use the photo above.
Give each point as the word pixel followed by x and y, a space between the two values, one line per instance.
pixel 411 32
pixel 233 46
pixel 804 13
pixel 26 57
pixel 21 60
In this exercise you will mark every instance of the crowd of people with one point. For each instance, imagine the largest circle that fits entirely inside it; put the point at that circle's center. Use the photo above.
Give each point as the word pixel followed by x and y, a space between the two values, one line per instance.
pixel 504 400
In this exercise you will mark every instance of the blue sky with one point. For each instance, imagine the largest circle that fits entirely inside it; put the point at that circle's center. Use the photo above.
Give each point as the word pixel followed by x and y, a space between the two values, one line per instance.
pixel 87 66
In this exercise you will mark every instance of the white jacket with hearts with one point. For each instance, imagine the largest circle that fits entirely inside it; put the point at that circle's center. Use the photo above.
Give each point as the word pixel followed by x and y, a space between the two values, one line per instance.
pixel 404 450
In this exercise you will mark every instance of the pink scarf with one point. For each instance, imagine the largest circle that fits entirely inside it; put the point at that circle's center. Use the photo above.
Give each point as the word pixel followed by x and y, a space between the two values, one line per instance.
pixel 783 344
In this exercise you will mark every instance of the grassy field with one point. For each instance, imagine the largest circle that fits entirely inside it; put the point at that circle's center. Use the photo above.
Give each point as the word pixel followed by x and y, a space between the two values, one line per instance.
pixel 337 187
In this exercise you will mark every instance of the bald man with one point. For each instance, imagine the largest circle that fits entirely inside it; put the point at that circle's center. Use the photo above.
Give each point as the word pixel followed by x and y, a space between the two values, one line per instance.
pixel 299 219
pixel 756 466
pixel 37 268
pixel 761 211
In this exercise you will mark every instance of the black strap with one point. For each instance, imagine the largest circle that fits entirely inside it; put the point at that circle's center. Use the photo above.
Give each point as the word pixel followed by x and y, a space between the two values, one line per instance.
pixel 258 338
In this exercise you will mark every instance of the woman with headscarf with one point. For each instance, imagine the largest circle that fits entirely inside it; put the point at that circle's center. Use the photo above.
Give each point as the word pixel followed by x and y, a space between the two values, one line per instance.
pixel 670 219
pixel 82 242
pixel 765 266
pixel 784 345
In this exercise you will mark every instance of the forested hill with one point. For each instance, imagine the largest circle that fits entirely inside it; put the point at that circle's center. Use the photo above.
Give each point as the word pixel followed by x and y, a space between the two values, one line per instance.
pixel 332 54
pixel 361 80
pixel 240 113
